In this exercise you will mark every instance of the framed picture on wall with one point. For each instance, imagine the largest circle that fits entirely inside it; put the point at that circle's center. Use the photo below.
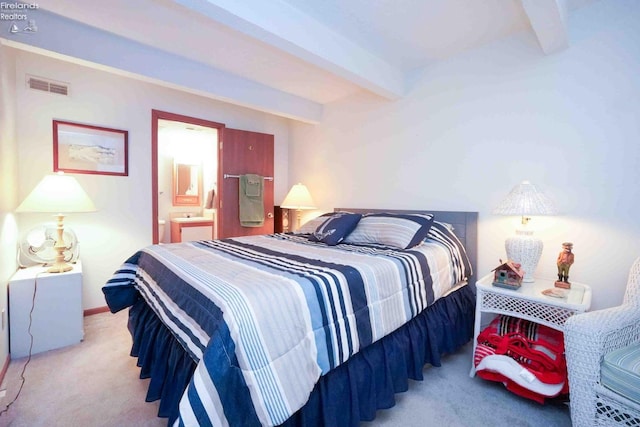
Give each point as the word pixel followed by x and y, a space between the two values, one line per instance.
pixel 79 148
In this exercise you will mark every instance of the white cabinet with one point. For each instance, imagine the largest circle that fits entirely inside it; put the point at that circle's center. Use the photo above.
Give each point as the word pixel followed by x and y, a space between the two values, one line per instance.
pixel 188 229
pixel 56 317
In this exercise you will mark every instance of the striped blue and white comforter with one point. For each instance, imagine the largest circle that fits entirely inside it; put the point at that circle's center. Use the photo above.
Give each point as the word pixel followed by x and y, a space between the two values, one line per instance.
pixel 266 316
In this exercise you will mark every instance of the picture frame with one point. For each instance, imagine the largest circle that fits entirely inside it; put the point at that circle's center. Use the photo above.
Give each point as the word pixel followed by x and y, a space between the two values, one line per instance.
pixel 81 148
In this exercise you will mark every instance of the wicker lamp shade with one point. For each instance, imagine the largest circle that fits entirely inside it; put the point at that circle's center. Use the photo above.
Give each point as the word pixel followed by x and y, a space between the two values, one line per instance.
pixel 525 200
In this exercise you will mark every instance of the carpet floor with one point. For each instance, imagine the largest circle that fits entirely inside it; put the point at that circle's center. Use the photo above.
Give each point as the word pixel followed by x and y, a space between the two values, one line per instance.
pixel 95 384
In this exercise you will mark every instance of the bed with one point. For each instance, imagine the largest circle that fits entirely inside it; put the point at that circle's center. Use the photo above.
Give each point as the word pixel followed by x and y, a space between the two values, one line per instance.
pixel 299 329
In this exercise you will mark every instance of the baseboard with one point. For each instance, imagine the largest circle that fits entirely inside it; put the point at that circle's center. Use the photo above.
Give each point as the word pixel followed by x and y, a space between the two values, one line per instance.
pixel 97 310
pixel 5 367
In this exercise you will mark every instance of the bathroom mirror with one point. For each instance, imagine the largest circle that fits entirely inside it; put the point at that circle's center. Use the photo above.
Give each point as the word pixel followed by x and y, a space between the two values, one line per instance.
pixel 187 184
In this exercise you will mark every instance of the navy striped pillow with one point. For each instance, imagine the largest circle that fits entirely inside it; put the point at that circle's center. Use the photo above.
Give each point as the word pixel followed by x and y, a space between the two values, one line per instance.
pixel 397 230
pixel 442 233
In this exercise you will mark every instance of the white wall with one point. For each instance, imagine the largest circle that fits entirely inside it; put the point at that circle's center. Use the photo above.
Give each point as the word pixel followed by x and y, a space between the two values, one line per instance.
pixel 473 127
pixel 8 186
pixel 123 221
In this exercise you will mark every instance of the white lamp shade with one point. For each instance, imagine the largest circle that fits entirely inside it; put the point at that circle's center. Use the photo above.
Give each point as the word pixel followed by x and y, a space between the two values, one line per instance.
pixel 57 193
pixel 298 198
pixel 525 199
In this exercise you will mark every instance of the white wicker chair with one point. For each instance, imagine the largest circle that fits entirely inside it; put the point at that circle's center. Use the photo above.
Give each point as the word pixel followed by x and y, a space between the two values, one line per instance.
pixel 588 337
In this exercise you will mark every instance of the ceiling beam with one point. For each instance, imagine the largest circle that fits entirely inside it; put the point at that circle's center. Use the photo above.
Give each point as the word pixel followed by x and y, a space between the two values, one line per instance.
pixel 72 41
pixel 284 27
pixel 548 19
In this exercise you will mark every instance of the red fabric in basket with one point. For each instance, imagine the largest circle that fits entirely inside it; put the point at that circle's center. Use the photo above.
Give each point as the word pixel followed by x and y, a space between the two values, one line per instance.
pixel 537 348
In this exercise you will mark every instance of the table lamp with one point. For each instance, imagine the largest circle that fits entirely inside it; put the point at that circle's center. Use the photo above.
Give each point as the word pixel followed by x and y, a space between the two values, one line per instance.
pixel 58 194
pixel 298 198
pixel 525 200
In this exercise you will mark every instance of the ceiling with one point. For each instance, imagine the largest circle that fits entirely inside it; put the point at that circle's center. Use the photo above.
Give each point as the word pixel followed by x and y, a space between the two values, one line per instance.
pixel 300 53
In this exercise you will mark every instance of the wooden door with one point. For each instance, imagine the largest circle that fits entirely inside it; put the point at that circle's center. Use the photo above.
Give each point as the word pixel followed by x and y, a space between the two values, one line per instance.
pixel 243 152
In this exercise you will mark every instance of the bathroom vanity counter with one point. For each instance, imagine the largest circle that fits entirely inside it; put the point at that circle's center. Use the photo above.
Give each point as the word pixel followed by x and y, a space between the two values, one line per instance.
pixel 193 228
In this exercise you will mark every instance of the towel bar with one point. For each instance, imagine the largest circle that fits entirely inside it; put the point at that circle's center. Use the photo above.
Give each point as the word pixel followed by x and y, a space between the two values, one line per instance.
pixel 226 175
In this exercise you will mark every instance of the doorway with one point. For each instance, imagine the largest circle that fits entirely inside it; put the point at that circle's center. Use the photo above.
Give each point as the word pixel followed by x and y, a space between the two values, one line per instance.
pixel 177 142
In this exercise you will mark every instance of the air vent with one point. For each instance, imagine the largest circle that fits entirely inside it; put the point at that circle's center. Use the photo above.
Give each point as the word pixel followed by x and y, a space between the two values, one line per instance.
pixel 46 85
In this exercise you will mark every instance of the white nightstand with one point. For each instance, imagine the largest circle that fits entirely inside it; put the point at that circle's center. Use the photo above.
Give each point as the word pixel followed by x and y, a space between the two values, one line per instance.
pixel 57 309
pixel 528 303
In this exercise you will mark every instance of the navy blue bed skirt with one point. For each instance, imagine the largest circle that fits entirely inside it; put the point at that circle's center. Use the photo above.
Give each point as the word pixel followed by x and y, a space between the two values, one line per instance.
pixel 351 393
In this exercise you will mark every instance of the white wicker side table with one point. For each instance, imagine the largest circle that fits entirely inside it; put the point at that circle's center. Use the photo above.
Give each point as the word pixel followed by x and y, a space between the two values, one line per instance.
pixel 528 303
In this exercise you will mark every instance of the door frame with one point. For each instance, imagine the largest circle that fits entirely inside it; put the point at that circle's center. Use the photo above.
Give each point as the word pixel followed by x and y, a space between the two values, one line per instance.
pixel 157 115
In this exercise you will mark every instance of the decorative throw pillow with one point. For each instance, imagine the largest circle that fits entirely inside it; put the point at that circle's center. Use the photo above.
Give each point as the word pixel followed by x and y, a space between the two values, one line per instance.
pixel 311 225
pixel 398 230
pixel 333 230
